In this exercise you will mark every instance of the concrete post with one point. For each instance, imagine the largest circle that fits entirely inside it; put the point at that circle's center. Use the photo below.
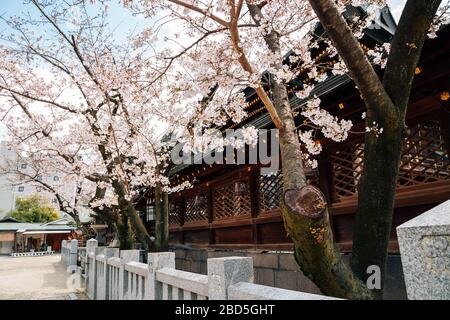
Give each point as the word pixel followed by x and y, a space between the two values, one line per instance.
pixel 126 256
pixel 157 261
pixel 72 256
pixel 91 244
pixel 223 272
pixel 425 252
pixel 92 289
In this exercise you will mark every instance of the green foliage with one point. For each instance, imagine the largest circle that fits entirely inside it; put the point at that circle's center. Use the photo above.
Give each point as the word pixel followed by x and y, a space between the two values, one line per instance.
pixel 34 209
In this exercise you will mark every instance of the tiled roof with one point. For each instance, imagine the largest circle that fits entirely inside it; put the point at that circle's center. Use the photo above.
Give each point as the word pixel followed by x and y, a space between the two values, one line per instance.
pixel 14 226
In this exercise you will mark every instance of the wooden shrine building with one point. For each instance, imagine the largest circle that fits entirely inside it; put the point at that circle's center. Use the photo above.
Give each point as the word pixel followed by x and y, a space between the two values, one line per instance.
pixel 234 206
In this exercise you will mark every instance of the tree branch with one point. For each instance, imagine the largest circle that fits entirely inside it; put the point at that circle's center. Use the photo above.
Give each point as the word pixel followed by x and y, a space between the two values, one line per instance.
pixel 202 11
pixel 406 49
pixel 349 49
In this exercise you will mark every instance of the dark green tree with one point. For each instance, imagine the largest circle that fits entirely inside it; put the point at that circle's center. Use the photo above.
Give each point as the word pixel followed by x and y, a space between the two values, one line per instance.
pixel 34 209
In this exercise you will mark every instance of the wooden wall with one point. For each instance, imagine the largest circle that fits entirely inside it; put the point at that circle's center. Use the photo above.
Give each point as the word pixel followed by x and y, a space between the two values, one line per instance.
pixel 236 207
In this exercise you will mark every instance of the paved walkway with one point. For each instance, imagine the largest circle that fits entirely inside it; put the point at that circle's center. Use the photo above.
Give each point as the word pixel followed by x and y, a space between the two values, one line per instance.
pixel 36 278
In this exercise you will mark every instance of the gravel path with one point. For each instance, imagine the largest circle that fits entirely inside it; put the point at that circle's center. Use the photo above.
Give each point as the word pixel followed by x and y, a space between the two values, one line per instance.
pixel 43 277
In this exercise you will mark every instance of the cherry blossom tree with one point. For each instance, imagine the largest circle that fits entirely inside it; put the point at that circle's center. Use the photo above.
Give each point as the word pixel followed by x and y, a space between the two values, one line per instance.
pixel 78 99
pixel 232 44
pixel 71 99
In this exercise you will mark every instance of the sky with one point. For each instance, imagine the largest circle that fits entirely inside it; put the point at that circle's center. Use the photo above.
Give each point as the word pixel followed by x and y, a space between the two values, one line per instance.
pixel 123 20
pixel 118 16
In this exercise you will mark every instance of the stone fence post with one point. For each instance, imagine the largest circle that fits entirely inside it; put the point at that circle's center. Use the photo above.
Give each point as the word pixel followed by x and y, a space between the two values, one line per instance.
pixel 91 244
pixel 223 272
pixel 72 256
pixel 425 252
pixel 92 288
pixel 157 261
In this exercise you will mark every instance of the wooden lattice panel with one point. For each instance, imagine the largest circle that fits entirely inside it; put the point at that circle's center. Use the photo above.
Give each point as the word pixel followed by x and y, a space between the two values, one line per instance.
pixel 270 191
pixel 424 157
pixel 229 203
pixel 175 213
pixel 424 160
pixel 195 209
pixel 348 165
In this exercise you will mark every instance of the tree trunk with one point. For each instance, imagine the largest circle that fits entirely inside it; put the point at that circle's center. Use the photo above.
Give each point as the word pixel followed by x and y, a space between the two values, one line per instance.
pixel 161 220
pixel 124 234
pixel 126 207
pixel 376 195
pixel 303 207
pixel 306 218
pixel 314 248
pixel 382 155
pixel 115 221
pixel 386 105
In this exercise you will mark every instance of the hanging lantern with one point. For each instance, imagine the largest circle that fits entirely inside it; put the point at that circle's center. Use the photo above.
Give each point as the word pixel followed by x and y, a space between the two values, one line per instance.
pixel 241 188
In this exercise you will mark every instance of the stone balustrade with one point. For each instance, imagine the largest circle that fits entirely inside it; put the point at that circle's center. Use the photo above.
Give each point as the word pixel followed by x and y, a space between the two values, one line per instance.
pixel 112 274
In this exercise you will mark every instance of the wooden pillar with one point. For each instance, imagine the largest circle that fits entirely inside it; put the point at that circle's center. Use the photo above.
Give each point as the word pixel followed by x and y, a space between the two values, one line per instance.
pixel 254 198
pixel 444 122
pixel 254 190
pixel 212 237
pixel 182 209
pixel 326 176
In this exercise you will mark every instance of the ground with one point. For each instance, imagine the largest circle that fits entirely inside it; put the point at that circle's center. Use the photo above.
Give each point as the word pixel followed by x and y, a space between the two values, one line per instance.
pixel 37 278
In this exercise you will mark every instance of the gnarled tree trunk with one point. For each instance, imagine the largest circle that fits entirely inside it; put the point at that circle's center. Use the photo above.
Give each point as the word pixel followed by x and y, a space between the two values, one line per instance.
pixel 382 155
pixel 386 104
pixel 126 207
pixel 310 229
pixel 124 234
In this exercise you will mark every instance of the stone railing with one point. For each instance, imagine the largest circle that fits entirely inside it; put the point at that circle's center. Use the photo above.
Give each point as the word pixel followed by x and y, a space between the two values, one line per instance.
pixel 136 285
pixel 112 274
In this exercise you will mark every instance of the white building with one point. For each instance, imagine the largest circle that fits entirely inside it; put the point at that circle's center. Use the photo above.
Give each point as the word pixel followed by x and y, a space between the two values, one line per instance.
pixel 11 189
